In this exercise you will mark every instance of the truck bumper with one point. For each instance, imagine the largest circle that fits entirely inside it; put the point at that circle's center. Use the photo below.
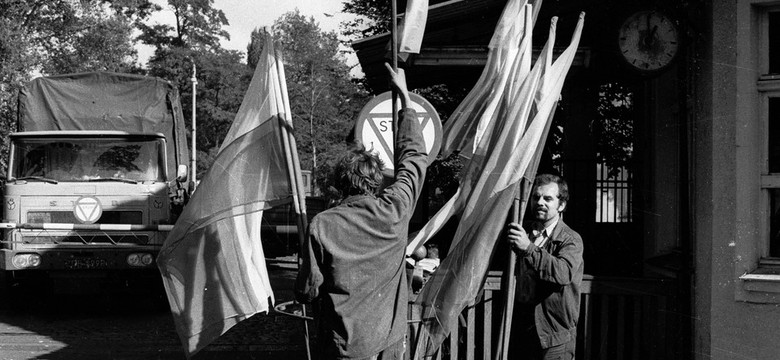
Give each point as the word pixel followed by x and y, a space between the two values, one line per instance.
pixel 75 259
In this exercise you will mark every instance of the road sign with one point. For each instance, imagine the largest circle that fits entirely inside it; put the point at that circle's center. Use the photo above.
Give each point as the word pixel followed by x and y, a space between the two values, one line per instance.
pixel 374 127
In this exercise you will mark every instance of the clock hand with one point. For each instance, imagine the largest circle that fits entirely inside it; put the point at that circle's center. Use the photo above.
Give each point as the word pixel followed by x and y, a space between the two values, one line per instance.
pixel 652 32
pixel 650 38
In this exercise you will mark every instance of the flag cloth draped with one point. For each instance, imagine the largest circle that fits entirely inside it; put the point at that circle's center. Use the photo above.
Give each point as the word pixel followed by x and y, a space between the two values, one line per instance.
pixel 212 262
pixel 413 28
pixel 500 130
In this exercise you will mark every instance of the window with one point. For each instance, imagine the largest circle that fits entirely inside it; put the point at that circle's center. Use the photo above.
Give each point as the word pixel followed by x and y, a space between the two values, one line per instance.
pixel 768 87
pixel 757 249
pixel 613 194
pixel 613 131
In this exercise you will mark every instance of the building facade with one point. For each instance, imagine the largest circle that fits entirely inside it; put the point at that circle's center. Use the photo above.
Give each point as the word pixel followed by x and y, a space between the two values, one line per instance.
pixel 674 168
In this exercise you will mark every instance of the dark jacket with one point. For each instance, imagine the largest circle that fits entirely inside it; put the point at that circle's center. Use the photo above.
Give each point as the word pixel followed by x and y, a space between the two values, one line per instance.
pixel 548 288
pixel 354 259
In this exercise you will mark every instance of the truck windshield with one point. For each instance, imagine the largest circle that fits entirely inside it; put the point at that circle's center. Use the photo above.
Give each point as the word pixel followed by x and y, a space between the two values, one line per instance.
pixel 88 159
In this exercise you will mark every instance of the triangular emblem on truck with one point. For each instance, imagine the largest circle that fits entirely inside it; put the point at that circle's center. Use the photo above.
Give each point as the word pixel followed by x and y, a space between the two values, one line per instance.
pixel 87 210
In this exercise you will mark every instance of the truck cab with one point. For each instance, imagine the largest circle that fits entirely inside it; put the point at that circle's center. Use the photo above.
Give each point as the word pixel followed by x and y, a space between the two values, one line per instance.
pixel 85 177
pixel 96 177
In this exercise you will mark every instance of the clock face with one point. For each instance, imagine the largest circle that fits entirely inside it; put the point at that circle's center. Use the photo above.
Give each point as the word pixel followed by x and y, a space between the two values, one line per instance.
pixel 648 41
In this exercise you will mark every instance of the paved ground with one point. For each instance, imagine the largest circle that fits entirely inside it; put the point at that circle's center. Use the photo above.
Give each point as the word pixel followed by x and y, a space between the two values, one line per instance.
pixel 48 326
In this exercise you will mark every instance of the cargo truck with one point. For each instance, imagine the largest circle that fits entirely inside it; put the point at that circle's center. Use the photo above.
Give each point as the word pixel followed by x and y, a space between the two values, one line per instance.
pixel 97 174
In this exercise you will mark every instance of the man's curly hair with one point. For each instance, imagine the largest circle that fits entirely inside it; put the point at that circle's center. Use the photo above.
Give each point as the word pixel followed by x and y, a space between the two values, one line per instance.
pixel 358 172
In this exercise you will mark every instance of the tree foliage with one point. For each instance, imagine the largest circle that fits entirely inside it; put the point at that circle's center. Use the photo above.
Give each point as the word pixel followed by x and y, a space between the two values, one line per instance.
pixel 64 36
pixel 613 129
pixel 324 100
pixel 61 36
pixel 222 79
pixel 372 18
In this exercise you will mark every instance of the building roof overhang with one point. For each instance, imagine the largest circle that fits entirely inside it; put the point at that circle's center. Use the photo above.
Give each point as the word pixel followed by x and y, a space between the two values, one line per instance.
pixel 454 49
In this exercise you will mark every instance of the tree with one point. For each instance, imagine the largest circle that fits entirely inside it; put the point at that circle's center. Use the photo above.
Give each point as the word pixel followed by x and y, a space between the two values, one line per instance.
pixel 323 98
pixel 373 18
pixel 613 128
pixel 61 36
pixel 99 40
pixel 222 78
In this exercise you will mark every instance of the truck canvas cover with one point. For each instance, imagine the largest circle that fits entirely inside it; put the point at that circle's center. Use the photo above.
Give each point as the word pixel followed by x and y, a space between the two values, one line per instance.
pixel 106 101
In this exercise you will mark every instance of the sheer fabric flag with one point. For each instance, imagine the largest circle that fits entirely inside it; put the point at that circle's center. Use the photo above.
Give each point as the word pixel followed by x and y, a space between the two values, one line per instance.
pixel 212 262
pixel 510 53
pixel 473 114
pixel 501 158
pixel 413 28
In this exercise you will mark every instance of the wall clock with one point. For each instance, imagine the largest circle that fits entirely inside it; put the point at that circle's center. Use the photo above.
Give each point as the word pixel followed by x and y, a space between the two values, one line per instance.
pixel 648 41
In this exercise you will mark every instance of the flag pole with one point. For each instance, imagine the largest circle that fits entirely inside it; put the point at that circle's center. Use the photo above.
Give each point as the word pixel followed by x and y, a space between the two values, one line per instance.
pixel 510 278
pixel 394 63
pixel 293 166
pixel 518 212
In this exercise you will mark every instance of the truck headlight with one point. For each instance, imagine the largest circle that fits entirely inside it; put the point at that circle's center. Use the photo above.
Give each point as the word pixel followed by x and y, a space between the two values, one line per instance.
pixel 26 261
pixel 140 259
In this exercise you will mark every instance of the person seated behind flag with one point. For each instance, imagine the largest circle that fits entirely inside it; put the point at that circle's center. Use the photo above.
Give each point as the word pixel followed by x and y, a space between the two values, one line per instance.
pixel 354 266
pixel 549 275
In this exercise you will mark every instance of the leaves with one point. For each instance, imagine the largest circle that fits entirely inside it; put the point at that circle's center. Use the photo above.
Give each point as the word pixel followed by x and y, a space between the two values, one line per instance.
pixel 373 18
pixel 613 129
pixel 63 36
pixel 324 100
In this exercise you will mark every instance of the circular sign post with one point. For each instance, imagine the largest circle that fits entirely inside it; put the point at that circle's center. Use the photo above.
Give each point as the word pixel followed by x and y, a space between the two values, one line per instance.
pixel 374 127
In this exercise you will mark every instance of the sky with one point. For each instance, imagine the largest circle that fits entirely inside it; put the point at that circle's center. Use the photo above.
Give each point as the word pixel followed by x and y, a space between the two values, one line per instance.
pixel 246 15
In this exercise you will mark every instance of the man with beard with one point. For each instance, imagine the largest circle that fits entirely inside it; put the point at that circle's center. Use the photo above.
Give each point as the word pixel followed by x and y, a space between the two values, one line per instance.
pixel 549 275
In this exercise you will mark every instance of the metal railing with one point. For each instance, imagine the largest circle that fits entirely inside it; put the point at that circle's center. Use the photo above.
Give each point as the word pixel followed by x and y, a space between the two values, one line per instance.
pixel 620 318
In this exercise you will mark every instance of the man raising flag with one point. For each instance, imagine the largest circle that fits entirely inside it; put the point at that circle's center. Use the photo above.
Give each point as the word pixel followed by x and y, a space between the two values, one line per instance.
pixel 212 263
pixel 353 261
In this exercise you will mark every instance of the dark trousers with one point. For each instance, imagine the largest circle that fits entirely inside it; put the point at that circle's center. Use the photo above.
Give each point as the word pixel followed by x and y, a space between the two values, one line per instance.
pixel 524 345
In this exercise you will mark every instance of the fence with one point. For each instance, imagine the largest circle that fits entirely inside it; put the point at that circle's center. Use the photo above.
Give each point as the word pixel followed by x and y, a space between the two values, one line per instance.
pixel 620 318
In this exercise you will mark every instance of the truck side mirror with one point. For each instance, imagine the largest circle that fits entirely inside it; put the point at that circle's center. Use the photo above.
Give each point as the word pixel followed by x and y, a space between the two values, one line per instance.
pixel 181 173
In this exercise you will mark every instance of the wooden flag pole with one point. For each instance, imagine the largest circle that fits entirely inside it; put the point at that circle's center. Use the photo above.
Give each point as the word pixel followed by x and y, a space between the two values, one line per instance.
pixel 296 185
pixel 510 278
pixel 394 64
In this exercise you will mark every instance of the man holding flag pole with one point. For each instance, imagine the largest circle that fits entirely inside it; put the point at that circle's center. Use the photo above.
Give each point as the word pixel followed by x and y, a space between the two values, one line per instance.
pixel 550 270
pixel 354 257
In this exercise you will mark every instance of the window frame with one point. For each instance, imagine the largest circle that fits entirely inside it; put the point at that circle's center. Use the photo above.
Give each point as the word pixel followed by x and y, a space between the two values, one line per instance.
pixel 758 273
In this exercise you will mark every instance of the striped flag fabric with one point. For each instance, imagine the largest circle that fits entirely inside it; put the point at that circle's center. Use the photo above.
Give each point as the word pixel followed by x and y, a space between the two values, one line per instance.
pixel 509 52
pixel 505 140
pixel 212 262
pixel 413 28
pixel 476 110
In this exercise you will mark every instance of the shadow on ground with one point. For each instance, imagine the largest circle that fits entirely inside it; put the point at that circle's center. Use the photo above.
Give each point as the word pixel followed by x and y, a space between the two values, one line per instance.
pixel 44 324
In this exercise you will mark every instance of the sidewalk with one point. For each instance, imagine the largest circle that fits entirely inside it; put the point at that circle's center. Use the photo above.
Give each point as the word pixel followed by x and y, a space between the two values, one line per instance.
pixel 265 336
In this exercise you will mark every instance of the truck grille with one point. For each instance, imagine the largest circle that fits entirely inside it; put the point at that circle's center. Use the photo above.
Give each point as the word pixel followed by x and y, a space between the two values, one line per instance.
pixel 86 239
pixel 67 217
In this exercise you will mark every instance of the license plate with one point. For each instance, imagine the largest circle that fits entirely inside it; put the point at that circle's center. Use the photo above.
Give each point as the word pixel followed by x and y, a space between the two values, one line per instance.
pixel 91 263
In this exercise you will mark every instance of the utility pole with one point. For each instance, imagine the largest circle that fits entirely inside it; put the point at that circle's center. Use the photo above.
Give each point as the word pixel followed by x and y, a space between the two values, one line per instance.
pixel 193 165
